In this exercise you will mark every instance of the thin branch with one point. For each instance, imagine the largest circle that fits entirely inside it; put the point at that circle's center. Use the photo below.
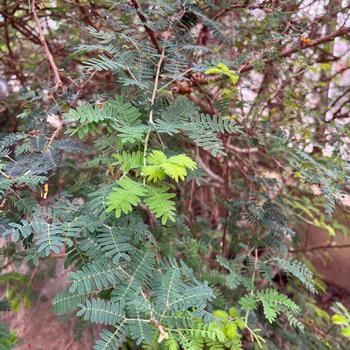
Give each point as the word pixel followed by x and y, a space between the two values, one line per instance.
pixel 5 175
pixel 227 194
pixel 235 149
pixel 289 52
pixel 244 5
pixel 325 39
pixel 143 19
pixel 150 117
pixel 82 86
pixel 204 93
pixel 320 247
pixel 155 88
pixel 58 81
pixel 55 134
pixel 21 28
pixel 86 15
pixel 210 173
pixel 7 38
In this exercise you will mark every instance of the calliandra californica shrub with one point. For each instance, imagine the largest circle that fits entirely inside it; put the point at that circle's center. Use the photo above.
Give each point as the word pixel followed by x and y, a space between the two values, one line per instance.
pixel 174 170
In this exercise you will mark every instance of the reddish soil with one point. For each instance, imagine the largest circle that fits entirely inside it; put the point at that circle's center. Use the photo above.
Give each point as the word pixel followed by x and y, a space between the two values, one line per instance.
pixel 39 329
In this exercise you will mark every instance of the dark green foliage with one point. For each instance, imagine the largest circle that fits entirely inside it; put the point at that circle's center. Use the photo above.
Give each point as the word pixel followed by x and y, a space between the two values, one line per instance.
pixel 7 339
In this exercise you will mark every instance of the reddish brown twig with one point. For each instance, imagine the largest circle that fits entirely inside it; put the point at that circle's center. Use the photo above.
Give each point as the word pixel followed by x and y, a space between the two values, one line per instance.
pixel 34 273
pixel 143 19
pixel 69 344
pixel 58 81
pixel 86 15
pixel 190 202
pixel 288 52
pixel 319 247
pixel 227 197
pixel 55 134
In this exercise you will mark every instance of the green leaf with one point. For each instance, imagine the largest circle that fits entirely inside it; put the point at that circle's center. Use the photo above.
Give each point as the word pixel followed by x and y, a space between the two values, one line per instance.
pixel 101 311
pixel 346 332
pixel 131 133
pixel 221 68
pixel 339 320
pixel 113 243
pixel 153 173
pixel 275 303
pixel 248 302
pixel 113 115
pixel 175 167
pixel 65 302
pixel 160 203
pixel 142 267
pixel 128 160
pixel 299 270
pixel 126 196
pixel 111 340
pixel 96 276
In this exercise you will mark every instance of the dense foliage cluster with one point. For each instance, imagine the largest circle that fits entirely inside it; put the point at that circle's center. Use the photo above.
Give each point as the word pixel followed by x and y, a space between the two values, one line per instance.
pixel 173 159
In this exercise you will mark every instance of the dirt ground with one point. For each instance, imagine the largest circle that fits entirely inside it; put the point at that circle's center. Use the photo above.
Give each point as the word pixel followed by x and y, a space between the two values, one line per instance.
pixel 39 329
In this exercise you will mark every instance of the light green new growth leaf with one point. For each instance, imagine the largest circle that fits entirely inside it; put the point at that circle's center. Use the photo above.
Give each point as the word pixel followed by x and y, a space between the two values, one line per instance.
pixel 129 194
pixel 221 68
pixel 176 166
pixel 346 332
pixel 157 158
pixel 126 196
pixel 153 173
pixel 154 170
pixel 128 160
pixel 160 165
pixel 174 171
pixel 8 339
pixel 160 203
pixel 339 320
pixel 172 344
